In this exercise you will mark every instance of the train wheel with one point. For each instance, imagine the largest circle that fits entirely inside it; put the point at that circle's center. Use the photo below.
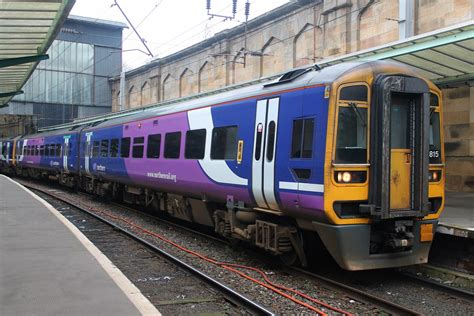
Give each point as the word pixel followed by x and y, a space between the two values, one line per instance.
pixel 290 258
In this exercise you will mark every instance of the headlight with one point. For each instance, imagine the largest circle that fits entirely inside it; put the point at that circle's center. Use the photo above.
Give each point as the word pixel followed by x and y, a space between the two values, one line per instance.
pixel 350 176
pixel 435 175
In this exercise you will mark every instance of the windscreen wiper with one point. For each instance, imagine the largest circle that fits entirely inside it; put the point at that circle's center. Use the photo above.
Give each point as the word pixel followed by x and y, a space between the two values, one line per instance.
pixel 357 112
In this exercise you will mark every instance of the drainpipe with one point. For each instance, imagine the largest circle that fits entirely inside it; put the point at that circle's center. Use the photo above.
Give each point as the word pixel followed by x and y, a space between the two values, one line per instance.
pixel 406 14
pixel 122 91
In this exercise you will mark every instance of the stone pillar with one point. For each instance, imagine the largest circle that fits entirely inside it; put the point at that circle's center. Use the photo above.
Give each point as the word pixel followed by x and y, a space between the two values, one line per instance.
pixel 459 138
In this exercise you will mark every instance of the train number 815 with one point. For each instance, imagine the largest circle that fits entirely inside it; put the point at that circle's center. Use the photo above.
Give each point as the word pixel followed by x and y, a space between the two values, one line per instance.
pixel 434 154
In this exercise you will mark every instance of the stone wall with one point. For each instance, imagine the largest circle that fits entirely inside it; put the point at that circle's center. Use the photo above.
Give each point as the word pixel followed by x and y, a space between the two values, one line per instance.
pixel 301 33
pixel 459 138
pixel 297 34
pixel 14 125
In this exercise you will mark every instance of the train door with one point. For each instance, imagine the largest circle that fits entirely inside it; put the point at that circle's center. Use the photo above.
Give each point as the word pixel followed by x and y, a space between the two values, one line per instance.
pixel 263 161
pixel 23 149
pixel 88 153
pixel 400 147
pixel 7 156
pixel 401 151
pixel 66 152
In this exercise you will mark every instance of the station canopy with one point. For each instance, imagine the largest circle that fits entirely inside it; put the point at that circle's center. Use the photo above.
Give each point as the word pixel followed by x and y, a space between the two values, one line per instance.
pixel 27 29
pixel 445 56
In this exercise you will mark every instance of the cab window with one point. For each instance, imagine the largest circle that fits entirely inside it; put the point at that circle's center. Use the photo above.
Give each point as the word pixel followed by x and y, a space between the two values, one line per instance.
pixel 351 134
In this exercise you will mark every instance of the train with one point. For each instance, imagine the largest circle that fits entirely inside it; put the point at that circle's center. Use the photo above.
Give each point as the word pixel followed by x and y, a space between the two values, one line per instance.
pixel 351 154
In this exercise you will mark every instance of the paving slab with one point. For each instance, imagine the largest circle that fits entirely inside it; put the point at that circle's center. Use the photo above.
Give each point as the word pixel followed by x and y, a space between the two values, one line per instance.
pixel 47 267
pixel 458 216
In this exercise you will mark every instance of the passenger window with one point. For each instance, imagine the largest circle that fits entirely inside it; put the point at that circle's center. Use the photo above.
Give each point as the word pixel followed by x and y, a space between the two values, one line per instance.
pixel 41 150
pixel 195 144
pixel 114 147
pixel 58 150
pixel 137 150
pixel 153 146
pixel 125 147
pixel 95 149
pixel 172 144
pixel 104 148
pixel 224 143
pixel 302 139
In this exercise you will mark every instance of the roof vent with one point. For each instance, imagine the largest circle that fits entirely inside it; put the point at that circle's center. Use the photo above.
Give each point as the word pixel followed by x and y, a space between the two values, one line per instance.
pixel 97 123
pixel 289 76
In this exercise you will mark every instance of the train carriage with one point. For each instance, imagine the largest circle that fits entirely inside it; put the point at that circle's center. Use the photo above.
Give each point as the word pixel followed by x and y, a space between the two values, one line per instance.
pixel 51 154
pixel 8 154
pixel 352 153
pixel 6 149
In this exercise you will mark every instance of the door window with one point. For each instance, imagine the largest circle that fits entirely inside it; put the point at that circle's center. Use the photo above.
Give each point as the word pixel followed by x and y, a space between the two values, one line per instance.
pixel 435 140
pixel 400 123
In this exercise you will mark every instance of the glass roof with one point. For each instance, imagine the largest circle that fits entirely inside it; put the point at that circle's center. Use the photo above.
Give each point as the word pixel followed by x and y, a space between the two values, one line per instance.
pixel 445 56
pixel 27 29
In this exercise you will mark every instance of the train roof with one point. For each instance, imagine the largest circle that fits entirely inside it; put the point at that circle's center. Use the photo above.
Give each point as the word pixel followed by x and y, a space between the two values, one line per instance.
pixel 63 131
pixel 312 76
pixel 295 78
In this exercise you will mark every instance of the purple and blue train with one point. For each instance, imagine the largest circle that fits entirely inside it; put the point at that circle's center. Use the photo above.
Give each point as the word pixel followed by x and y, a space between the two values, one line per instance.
pixel 351 154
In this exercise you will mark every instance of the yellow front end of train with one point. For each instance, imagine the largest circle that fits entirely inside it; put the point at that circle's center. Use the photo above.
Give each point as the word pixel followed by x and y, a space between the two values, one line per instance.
pixel 384 167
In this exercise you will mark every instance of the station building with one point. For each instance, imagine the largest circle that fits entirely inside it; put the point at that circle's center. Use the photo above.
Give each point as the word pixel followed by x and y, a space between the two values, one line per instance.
pixel 435 36
pixel 73 82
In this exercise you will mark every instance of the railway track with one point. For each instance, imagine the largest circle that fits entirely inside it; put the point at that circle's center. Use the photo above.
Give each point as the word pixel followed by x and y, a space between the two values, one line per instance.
pixel 231 295
pixel 457 292
pixel 350 291
pixel 366 297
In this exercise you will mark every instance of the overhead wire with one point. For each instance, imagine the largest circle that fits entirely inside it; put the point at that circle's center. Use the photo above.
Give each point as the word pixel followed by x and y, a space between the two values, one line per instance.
pixel 213 67
pixel 92 65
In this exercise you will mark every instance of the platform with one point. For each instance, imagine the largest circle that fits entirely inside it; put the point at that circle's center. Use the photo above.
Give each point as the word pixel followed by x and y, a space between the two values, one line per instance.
pixel 47 267
pixel 458 216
